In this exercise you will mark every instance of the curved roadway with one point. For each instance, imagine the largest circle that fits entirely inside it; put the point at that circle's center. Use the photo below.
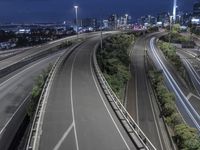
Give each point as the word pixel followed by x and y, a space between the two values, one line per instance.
pixel 77 114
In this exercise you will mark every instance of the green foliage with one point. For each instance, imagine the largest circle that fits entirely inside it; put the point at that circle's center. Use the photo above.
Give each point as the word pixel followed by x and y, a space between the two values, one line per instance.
pixel 174 119
pixel 37 89
pixel 170 53
pixel 65 45
pixel 176 37
pixel 187 138
pixel 176 28
pixel 114 61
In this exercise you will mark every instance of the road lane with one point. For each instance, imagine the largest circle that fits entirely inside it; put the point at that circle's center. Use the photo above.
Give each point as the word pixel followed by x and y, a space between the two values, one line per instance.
pixel 188 112
pixel 13 93
pixel 88 122
pixel 145 115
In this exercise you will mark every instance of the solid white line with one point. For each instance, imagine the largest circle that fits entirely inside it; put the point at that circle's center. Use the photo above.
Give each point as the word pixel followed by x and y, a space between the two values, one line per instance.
pixel 136 100
pixel 3 83
pixel 63 137
pixel 106 105
pixel 72 104
pixel 187 63
pixel 173 84
pixel 154 116
pixel 152 107
pixel 24 99
pixel 2 130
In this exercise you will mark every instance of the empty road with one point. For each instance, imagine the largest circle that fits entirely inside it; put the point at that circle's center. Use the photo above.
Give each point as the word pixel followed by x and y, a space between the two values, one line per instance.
pixel 77 114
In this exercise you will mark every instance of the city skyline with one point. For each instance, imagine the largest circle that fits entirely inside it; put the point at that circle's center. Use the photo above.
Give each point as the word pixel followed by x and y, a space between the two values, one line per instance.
pixel 55 11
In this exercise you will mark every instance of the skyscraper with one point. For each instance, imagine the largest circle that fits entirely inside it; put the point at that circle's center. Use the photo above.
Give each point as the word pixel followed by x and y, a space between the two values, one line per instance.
pixel 196 10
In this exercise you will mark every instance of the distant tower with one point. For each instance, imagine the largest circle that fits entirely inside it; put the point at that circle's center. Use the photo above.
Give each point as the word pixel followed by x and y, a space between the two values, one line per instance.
pixel 174 10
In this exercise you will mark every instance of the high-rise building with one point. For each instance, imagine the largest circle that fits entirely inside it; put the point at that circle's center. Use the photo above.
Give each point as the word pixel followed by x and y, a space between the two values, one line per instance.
pixel 112 21
pixel 89 22
pixel 196 10
pixel 163 17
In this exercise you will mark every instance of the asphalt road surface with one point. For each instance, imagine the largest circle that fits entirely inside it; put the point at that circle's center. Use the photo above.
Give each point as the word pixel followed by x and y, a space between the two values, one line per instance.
pixel 139 102
pixel 77 114
pixel 188 112
pixel 13 94
pixel 32 51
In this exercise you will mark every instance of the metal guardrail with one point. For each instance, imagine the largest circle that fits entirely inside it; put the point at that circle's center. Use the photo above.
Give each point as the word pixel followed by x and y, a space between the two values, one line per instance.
pixel 135 133
pixel 31 144
pixel 34 135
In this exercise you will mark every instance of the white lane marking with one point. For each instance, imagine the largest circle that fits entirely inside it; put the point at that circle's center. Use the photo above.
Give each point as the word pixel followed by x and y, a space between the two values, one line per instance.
pixel 173 84
pixel 136 91
pixel 63 137
pixel 194 73
pixel 21 72
pixel 154 116
pixel 106 105
pixel 192 95
pixel 152 107
pixel 136 100
pixel 2 130
pixel 72 104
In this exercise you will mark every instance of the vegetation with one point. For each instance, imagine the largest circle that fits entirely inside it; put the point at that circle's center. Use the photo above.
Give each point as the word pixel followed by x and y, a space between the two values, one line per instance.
pixel 152 29
pixel 185 137
pixel 114 61
pixel 65 45
pixel 175 37
pixel 37 90
pixel 170 53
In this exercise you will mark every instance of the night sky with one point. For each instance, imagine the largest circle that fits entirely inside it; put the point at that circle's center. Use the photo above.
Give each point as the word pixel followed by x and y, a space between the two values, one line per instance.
pixel 59 10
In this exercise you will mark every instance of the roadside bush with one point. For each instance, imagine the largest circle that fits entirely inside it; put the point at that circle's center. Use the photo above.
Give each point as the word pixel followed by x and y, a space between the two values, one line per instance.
pixel 36 91
pixel 185 137
pixel 114 61
pixel 170 53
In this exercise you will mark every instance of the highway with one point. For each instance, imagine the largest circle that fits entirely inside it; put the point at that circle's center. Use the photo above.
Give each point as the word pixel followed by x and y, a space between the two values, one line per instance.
pixel 38 49
pixel 16 86
pixel 188 112
pixel 193 68
pixel 14 92
pixel 77 114
pixel 140 100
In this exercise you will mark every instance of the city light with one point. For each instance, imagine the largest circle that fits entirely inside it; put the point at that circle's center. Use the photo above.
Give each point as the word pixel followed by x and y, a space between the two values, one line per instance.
pixel 76 11
pixel 174 10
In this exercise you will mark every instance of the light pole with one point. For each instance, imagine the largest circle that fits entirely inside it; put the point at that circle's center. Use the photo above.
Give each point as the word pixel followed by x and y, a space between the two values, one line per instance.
pixel 170 27
pixel 174 10
pixel 76 11
pixel 101 34
pixel 126 19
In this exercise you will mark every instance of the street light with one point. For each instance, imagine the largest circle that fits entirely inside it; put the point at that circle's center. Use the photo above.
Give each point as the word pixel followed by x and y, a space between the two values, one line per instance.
pixel 170 27
pixel 126 19
pixel 174 10
pixel 76 11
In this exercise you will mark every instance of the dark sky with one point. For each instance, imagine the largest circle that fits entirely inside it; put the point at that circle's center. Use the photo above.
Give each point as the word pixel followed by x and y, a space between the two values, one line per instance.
pixel 59 10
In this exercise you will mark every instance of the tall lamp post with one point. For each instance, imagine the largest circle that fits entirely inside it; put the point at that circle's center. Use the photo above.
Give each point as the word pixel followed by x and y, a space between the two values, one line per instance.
pixel 174 11
pixel 126 15
pixel 76 11
pixel 170 27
